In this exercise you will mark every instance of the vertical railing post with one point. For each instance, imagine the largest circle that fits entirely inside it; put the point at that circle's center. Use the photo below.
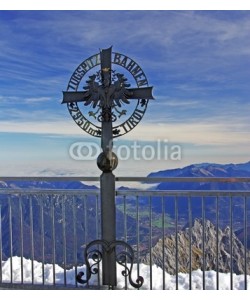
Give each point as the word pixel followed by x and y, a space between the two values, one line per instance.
pixel 1 244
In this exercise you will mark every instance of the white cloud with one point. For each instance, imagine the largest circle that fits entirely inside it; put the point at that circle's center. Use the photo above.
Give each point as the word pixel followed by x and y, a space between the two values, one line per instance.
pixel 12 100
pixel 51 127
pixel 201 133
pixel 162 101
pixel 215 132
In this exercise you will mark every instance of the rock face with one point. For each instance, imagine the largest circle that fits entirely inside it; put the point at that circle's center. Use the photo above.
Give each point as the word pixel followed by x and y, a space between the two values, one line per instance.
pixel 197 256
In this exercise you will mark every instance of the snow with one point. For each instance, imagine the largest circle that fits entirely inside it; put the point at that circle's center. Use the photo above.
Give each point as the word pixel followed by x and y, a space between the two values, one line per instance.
pixel 157 276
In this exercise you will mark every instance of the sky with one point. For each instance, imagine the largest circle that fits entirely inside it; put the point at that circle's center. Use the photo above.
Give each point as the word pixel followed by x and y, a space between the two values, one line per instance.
pixel 198 62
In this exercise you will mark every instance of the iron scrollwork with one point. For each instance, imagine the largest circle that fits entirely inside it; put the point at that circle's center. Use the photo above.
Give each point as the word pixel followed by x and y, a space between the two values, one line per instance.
pixel 125 258
pixel 106 93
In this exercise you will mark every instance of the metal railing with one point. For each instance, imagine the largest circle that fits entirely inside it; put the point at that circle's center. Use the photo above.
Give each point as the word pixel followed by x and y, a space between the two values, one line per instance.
pixel 43 233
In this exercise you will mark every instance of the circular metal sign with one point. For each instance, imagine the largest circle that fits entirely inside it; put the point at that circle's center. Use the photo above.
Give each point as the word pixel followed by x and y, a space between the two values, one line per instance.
pixel 114 92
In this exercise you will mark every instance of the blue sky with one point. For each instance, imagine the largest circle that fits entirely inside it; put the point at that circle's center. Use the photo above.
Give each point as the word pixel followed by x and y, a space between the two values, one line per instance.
pixel 197 61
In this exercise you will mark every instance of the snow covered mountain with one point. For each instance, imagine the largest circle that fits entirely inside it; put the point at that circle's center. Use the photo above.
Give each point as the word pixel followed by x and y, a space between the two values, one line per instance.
pixel 208 259
pixel 205 170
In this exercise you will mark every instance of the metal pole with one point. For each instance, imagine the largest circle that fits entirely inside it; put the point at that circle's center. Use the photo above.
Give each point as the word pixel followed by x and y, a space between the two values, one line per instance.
pixel 108 227
pixel 107 161
pixel 105 91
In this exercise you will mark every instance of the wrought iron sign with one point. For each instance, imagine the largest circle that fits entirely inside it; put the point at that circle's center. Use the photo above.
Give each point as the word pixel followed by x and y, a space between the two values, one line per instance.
pixel 107 98
pixel 95 98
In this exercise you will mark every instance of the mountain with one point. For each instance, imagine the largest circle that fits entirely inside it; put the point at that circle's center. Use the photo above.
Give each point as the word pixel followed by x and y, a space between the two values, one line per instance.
pixel 28 184
pixel 206 170
pixel 210 254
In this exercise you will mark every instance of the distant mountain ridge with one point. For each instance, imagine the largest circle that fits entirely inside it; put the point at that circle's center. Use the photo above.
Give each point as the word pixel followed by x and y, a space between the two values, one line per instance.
pixel 207 170
pixel 46 184
pixel 194 170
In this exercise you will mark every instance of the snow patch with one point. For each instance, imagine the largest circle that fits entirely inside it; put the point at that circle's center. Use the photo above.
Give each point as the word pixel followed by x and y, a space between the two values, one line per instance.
pixel 58 272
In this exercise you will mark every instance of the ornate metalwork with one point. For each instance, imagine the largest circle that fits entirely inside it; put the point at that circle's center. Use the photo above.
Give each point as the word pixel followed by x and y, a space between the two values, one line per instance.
pixel 95 93
pixel 125 258
pixel 106 92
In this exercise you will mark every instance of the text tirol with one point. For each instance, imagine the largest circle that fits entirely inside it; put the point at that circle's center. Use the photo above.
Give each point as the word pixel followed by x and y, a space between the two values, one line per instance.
pixel 132 121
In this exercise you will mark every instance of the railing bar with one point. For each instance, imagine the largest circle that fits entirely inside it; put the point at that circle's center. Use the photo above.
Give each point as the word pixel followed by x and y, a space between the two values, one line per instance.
pixel 1 250
pixel 150 240
pixel 42 237
pixel 21 234
pixel 11 242
pixel 125 220
pixel 190 241
pixel 203 245
pixel 184 179
pixel 138 235
pixel 138 179
pixel 85 224
pixel 64 241
pixel 85 219
pixel 125 232
pixel 176 245
pixel 53 240
pixel 217 243
pixel 48 191
pixel 97 237
pixel 52 178
pixel 99 207
pixel 31 240
pixel 181 193
pixel 163 241
pixel 231 244
pixel 245 243
pixel 127 192
pixel 97 217
pixel 75 237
